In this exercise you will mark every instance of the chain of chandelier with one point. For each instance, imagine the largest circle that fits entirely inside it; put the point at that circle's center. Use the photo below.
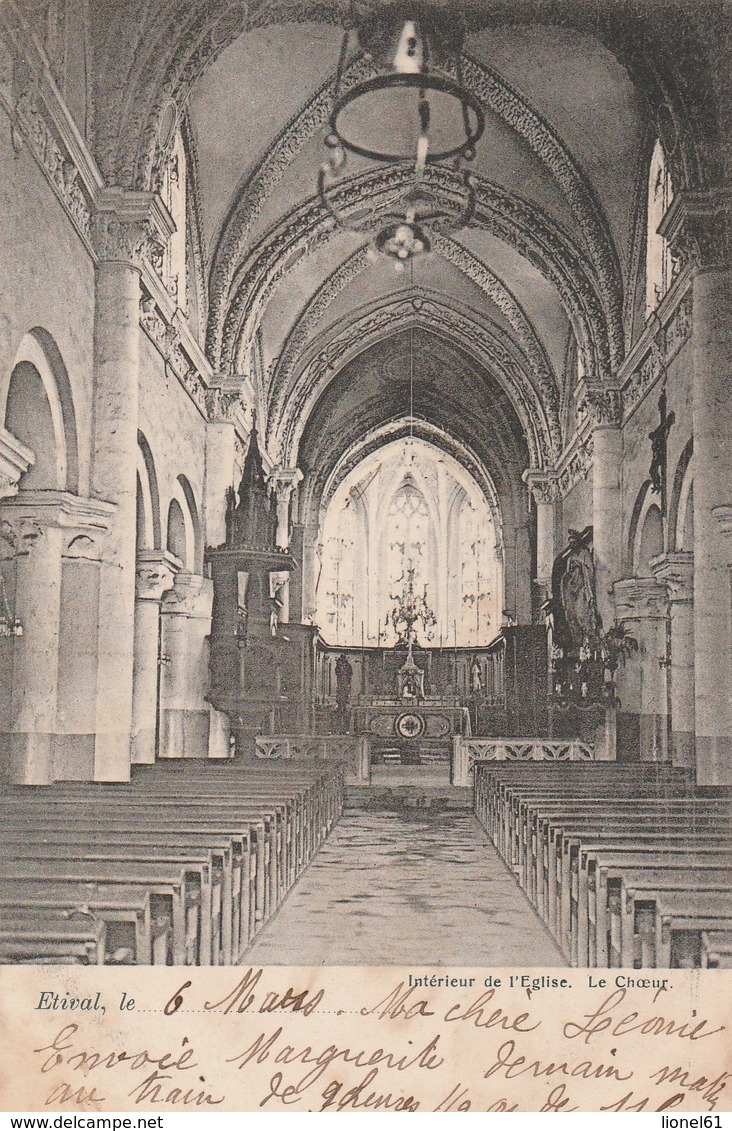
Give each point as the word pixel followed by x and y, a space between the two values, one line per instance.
pixel 414 112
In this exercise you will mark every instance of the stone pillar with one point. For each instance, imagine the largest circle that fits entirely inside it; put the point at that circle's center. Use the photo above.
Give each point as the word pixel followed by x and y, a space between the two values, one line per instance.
pixel 47 536
pixel 676 572
pixel 284 480
pixel 220 454
pixel 712 416
pixel 543 486
pixel 607 458
pixel 698 227
pixel 311 564
pixel 156 570
pixel 184 706
pixel 640 604
pixel 125 226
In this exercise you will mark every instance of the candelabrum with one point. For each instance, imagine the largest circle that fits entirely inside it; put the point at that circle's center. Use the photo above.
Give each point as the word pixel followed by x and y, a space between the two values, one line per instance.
pixel 410 609
pixel 588 679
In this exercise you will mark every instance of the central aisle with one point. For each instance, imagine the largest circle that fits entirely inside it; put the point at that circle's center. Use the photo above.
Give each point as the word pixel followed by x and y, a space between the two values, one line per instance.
pixel 416 887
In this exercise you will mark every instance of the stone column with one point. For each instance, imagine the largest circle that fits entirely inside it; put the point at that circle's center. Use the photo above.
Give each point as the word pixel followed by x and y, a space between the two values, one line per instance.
pixel 712 416
pixel 125 226
pixel 284 480
pixel 156 570
pixel 698 226
pixel 676 572
pixel 43 533
pixel 607 456
pixel 543 486
pixel 640 604
pixel 184 706
pixel 229 406
pixel 311 563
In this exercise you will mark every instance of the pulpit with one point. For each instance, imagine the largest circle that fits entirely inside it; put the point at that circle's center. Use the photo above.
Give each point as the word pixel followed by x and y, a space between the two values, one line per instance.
pixel 261 668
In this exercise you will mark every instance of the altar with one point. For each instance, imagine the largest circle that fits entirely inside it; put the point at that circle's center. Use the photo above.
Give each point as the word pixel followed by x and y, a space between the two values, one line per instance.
pixel 411 731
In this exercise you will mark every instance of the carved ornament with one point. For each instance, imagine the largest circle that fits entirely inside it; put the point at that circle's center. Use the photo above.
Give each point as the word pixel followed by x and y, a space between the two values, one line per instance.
pixel 375 323
pixel 698 226
pixel 639 598
pixel 129 226
pixel 523 225
pixel 676 572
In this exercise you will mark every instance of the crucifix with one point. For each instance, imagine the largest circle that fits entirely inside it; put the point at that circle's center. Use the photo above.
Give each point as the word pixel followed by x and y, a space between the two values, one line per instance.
pixel 659 438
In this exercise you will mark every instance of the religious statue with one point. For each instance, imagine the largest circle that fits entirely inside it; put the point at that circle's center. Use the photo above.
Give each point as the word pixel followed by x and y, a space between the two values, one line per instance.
pixel 659 439
pixel 577 590
pixel 276 606
pixel 476 679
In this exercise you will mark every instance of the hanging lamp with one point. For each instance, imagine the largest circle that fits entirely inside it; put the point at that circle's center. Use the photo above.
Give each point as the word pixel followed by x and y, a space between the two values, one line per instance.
pixel 413 111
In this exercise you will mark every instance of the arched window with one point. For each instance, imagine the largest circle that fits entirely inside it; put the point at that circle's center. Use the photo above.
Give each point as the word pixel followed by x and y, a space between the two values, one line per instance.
pixel 409 506
pixel 659 265
pixel 476 590
pixel 407 538
pixel 173 192
pixel 338 587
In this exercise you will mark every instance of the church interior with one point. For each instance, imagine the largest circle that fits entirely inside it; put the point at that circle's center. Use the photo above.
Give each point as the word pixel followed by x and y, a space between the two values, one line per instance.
pixel 366 482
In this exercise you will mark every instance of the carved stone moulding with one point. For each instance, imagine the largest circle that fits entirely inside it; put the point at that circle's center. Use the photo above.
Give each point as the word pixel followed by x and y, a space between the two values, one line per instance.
pixel 723 515
pixel 639 598
pixel 659 344
pixel 41 121
pixel 29 514
pixel 543 484
pixel 675 570
pixel 698 226
pixel 166 336
pixel 574 465
pixel 155 572
pixel 15 459
pixel 128 226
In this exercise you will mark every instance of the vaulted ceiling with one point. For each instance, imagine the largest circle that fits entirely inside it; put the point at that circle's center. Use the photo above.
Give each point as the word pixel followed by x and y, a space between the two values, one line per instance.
pixel 574 94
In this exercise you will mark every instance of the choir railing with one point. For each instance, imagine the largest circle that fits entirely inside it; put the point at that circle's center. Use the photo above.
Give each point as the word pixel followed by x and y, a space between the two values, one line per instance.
pixel 352 751
pixel 467 751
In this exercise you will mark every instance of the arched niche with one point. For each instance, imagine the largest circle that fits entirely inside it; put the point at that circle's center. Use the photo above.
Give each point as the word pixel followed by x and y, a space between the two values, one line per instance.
pixel 681 507
pixel 183 536
pixel 148 498
pixel 649 539
pixel 38 409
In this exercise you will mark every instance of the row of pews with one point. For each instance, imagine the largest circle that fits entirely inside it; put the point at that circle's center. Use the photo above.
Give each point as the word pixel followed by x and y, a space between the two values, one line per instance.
pixel 182 866
pixel 628 866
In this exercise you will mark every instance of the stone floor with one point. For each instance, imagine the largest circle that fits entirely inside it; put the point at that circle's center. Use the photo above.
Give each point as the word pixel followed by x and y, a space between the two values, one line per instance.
pixel 419 886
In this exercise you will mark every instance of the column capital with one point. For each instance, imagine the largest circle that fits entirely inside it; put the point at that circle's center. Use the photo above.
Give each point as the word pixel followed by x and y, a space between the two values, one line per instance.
pixel 543 483
pixel 676 571
pixel 128 226
pixel 698 226
pixel 15 459
pixel 231 401
pixel 29 514
pixel 285 479
pixel 190 596
pixel 639 598
pixel 723 516
pixel 603 407
pixel 155 572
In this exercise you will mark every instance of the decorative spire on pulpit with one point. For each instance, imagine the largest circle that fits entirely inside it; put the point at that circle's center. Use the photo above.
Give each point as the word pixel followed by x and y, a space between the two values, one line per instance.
pixel 251 523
